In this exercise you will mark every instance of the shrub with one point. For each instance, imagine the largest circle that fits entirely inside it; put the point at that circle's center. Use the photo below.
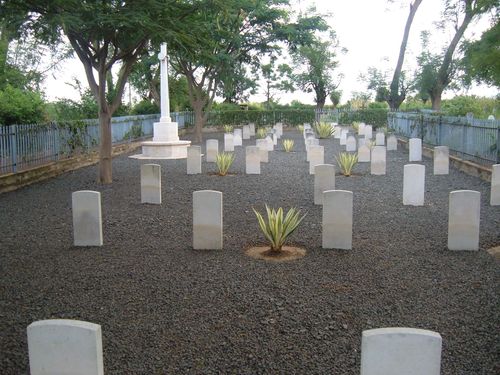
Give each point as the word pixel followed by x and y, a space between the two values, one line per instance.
pixel 228 128
pixel 261 133
pixel 288 144
pixel 355 126
pixel 376 117
pixel 277 229
pixel 135 132
pixel 224 160
pixel 145 107
pixel 20 106
pixel 346 162
pixel 323 130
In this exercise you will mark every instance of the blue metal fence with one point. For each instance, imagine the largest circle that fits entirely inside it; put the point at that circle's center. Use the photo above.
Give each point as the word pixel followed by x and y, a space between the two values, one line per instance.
pixel 469 138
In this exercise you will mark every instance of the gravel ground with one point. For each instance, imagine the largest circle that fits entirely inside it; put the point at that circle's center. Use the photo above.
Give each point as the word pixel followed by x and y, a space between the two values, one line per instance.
pixel 167 309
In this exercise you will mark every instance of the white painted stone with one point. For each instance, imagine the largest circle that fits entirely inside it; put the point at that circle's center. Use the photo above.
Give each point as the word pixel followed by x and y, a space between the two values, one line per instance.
pixel 361 141
pixel 413 185
pixel 228 142
pixel 343 137
pixel 246 132
pixel 252 159
pixel 361 129
pixel 307 125
pixel 316 156
pixel 392 143
pixel 324 179
pixel 264 154
pixel 364 154
pixel 63 346
pixel 252 129
pixel 463 220
pixel 380 139
pixel 275 139
pixel 212 150
pixel 337 219
pixel 368 132
pixel 270 143
pixel 350 145
pixel 400 351
pixel 310 142
pixel 378 160
pixel 151 183
pixel 194 160
pixel 337 132
pixel 87 218
pixel 207 220
pixel 415 149
pixel 491 118
pixel 441 160
pixel 279 129
pixel 495 185
pixel 237 137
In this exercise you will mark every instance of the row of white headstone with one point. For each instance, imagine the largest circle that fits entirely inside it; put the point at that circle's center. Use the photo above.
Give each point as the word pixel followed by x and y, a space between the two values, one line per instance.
pixel 64 346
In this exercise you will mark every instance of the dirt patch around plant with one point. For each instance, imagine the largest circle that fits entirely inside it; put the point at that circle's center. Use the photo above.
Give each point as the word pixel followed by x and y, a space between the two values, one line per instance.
pixel 286 254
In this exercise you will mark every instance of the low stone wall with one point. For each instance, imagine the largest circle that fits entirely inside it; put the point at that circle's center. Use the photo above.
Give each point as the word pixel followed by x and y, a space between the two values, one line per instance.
pixel 465 166
pixel 13 181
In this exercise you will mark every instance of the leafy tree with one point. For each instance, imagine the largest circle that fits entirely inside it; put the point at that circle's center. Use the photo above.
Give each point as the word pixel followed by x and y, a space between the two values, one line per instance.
pixel 335 96
pixel 19 106
pixel 236 85
pixel 102 34
pixel 482 58
pixel 277 79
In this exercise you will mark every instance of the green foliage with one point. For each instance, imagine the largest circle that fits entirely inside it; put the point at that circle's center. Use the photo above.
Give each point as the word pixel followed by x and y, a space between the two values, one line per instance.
pixel 145 107
pixel 261 133
pixel 375 117
pixel 278 228
pixel 20 106
pixel 224 161
pixel 76 136
pixel 479 107
pixel 346 162
pixel 289 117
pixel 228 128
pixel 288 144
pixel 135 132
pixel 323 130
pixel 355 126
pixel 335 96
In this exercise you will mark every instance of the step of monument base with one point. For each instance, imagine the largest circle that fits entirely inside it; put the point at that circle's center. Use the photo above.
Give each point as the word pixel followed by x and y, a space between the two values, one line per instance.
pixel 163 150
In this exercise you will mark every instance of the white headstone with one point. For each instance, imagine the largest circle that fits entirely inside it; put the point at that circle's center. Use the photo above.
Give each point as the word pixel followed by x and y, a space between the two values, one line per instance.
pixel 279 129
pixel 310 142
pixel 324 179
pixel 87 218
pixel 368 132
pixel 378 158
pixel 343 137
pixel 400 351
pixel 415 149
pixel 350 144
pixel 307 125
pixel 463 220
pixel 491 118
pixel 364 154
pixel 392 143
pixel 275 139
pixel 63 346
pixel 228 142
pixel 380 139
pixel 337 219
pixel 413 185
pixel 237 137
pixel 337 132
pixel 361 141
pixel 495 185
pixel 252 160
pixel 194 160
pixel 264 154
pixel 316 156
pixel 270 143
pixel 361 129
pixel 441 160
pixel 252 129
pixel 246 132
pixel 151 183
pixel 207 220
pixel 212 150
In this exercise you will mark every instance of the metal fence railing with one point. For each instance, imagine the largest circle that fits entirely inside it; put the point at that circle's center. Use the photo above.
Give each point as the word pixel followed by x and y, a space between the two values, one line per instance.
pixel 467 137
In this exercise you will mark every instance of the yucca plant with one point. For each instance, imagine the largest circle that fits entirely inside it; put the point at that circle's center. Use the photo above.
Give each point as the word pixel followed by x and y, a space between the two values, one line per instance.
pixel 300 128
pixel 323 130
pixel 223 161
pixel 346 162
pixel 228 128
pixel 355 126
pixel 278 228
pixel 261 133
pixel 288 144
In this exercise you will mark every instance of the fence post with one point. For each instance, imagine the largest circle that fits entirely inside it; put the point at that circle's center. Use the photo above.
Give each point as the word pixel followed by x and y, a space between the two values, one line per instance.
pixel 498 144
pixel 13 147
pixel 464 139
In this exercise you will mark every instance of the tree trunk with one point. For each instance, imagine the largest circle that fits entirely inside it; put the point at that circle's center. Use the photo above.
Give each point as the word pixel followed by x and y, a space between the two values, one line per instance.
pixel 105 146
pixel 395 97
pixel 436 98
pixel 199 120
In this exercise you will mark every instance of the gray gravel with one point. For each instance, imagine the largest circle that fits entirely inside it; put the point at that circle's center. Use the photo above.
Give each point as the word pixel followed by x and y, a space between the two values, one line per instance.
pixel 167 309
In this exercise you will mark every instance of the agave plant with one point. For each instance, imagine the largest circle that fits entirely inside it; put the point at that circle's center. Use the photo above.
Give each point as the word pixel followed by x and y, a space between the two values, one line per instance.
pixel 287 144
pixel 355 127
pixel 300 128
pixel 261 133
pixel 277 229
pixel 228 128
pixel 223 161
pixel 346 162
pixel 323 130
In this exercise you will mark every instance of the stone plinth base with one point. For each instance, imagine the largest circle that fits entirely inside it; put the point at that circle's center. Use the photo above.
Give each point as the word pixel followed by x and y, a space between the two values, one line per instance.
pixel 163 150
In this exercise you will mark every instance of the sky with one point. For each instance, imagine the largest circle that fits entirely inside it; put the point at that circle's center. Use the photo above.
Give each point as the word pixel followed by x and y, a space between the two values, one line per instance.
pixel 371 31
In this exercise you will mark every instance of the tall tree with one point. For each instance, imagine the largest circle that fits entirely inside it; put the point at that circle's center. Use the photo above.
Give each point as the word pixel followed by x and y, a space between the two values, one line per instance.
pixel 397 89
pixel 103 34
